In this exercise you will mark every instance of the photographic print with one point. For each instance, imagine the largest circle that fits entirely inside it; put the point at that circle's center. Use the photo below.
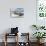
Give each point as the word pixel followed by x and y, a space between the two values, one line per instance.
pixel 16 13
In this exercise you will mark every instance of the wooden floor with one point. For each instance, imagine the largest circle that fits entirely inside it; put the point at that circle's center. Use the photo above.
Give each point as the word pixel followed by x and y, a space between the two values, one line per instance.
pixel 13 44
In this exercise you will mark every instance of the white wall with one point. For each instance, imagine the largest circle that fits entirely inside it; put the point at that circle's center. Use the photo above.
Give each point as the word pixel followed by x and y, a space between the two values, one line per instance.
pixel 24 24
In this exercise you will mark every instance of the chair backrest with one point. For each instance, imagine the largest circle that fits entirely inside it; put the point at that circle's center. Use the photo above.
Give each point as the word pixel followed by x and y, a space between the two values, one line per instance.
pixel 14 30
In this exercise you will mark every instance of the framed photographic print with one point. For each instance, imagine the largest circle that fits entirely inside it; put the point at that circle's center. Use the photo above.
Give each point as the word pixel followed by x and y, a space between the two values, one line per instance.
pixel 16 13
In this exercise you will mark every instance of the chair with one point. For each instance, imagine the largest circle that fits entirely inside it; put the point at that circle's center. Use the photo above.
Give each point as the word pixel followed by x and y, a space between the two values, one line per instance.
pixel 25 36
pixel 14 32
pixel 7 35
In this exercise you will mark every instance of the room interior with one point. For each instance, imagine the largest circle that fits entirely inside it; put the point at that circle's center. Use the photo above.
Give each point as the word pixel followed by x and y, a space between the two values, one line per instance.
pixel 22 23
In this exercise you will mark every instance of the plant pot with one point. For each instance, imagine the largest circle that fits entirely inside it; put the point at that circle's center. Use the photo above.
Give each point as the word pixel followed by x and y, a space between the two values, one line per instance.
pixel 40 41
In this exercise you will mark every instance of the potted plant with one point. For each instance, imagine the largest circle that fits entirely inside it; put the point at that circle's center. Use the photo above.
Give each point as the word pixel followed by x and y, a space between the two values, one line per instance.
pixel 38 27
pixel 35 26
pixel 39 35
pixel 42 27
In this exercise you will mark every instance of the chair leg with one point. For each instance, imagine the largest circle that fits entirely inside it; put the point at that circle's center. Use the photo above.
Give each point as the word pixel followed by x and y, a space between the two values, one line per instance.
pixel 5 43
pixel 5 40
pixel 17 39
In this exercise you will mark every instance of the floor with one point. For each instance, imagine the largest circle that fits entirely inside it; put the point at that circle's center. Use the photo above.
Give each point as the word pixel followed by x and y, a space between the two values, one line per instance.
pixel 13 44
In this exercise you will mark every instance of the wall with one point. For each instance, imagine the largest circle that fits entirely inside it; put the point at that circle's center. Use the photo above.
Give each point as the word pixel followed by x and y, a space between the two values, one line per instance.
pixel 24 24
